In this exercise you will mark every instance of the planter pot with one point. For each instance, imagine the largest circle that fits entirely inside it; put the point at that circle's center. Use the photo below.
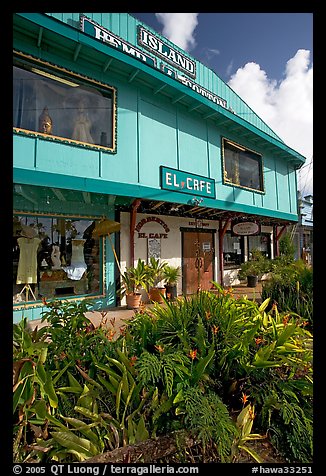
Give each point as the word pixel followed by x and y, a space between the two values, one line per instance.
pixel 133 300
pixel 252 281
pixel 156 294
pixel 171 292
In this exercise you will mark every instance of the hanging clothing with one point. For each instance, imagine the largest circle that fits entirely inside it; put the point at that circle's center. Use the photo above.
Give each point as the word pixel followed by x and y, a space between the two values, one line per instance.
pixel 77 265
pixel 27 265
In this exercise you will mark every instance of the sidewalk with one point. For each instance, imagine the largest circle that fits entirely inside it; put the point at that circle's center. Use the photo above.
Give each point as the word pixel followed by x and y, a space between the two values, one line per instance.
pixel 116 317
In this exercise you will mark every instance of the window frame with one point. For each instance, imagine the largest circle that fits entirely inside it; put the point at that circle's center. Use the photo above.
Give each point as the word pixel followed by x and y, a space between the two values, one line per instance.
pixel 32 61
pixel 241 240
pixel 102 260
pixel 227 181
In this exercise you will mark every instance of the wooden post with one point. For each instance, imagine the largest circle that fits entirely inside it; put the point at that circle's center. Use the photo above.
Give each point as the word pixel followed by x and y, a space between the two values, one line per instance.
pixel 133 213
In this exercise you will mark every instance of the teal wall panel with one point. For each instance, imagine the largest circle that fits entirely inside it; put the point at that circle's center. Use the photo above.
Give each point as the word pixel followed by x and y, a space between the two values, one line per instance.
pixel 24 151
pixel 54 157
pixel 192 141
pixel 282 186
pixel 157 142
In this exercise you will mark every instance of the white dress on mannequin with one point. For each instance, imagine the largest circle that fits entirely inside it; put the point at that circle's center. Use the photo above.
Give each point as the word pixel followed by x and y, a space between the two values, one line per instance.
pixel 55 257
pixel 82 127
pixel 27 265
pixel 77 266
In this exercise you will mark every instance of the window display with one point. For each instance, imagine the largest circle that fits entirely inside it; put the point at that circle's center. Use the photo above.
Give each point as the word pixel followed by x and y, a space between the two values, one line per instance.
pixel 242 166
pixel 233 250
pixel 50 104
pixel 55 257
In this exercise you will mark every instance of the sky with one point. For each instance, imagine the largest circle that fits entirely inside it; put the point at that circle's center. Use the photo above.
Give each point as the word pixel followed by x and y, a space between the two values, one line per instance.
pixel 266 58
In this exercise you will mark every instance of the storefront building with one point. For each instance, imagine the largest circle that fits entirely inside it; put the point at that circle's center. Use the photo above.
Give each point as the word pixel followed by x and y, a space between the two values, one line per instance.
pixel 113 120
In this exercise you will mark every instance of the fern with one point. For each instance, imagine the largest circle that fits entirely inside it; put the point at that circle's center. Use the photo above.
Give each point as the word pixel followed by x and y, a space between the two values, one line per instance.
pixel 208 416
pixel 149 367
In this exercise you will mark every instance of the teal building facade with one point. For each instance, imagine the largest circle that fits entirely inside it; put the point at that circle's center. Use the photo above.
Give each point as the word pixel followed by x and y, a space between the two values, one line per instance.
pixel 112 120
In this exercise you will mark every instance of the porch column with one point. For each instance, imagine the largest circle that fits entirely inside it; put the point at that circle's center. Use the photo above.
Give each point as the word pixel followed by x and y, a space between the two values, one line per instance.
pixel 133 213
pixel 221 233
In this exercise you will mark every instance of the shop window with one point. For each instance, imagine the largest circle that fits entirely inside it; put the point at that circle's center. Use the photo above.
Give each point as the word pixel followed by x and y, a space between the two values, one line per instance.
pixel 242 167
pixel 62 107
pixel 55 257
pixel 260 242
pixel 233 250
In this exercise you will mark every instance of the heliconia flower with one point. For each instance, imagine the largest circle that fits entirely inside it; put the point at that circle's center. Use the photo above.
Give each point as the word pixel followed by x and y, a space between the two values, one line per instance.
pixel 285 320
pixel 244 398
pixel 215 329
pixel 133 360
pixel 159 348
pixel 192 354
pixel 258 340
pixel 112 320
pixel 305 323
pixel 111 334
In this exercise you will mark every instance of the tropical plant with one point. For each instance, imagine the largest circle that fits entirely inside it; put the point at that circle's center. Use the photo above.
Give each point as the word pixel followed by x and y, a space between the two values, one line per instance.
pixel 171 274
pixel 135 278
pixel 257 266
pixel 156 269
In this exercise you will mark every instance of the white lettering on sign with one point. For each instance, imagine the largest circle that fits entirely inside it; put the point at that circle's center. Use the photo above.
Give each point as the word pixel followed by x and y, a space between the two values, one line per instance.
pixel 172 56
pixel 189 183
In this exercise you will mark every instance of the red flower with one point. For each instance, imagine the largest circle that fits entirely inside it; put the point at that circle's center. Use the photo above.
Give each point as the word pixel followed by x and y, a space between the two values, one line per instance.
pixel 159 348
pixel 133 360
pixel 215 329
pixel 192 354
pixel 244 398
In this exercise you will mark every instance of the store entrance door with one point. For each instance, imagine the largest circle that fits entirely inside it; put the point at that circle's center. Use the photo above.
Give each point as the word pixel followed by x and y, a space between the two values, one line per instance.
pixel 197 260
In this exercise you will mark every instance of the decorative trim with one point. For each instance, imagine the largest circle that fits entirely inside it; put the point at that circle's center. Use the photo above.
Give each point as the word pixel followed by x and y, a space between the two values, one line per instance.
pixel 85 79
pixel 227 181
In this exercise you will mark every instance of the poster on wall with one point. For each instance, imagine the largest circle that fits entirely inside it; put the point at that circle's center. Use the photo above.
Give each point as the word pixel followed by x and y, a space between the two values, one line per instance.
pixel 154 248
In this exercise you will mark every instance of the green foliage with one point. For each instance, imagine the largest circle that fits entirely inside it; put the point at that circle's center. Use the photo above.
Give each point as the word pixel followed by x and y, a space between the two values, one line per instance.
pixel 209 418
pixel 191 365
pixel 135 278
pixel 156 270
pixel 287 247
pixel 257 266
pixel 291 287
pixel 171 274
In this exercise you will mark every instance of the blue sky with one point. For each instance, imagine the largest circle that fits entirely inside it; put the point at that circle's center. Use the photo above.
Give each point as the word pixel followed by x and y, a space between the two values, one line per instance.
pixel 267 58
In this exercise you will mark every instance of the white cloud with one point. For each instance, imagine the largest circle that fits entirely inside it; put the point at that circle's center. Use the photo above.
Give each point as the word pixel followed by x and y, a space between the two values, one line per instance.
pixel 179 28
pixel 287 106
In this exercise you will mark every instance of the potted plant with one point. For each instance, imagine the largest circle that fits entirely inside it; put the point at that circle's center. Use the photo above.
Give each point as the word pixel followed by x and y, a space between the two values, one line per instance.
pixel 156 270
pixel 171 275
pixel 132 280
pixel 253 269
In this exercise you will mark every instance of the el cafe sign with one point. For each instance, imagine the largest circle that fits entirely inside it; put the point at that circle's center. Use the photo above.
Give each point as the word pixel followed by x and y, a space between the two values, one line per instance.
pixel 158 220
pixel 180 181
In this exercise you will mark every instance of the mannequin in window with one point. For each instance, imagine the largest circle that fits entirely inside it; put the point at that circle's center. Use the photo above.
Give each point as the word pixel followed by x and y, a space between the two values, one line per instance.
pixel 45 122
pixel 77 265
pixel 55 257
pixel 82 126
pixel 28 243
